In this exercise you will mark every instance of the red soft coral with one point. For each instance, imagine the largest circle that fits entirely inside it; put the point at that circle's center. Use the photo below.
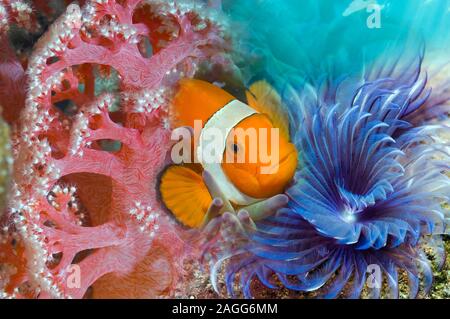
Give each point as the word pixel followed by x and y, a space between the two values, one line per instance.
pixel 23 15
pixel 84 194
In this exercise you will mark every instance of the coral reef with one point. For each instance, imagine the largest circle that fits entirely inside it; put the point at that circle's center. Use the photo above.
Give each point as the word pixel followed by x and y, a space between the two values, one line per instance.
pixel 441 286
pixel 85 89
pixel 83 197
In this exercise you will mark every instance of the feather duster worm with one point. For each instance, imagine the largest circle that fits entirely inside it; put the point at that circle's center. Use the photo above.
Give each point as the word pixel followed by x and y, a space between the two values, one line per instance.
pixel 370 188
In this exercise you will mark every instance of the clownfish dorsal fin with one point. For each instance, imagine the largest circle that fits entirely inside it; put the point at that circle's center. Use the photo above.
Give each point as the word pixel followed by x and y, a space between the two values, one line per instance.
pixel 185 194
pixel 264 98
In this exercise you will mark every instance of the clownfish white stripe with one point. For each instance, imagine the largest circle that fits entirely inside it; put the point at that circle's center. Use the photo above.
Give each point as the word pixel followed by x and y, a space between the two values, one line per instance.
pixel 224 120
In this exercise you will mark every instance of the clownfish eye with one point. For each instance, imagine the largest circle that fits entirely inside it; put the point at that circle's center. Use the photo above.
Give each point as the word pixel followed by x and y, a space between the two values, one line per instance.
pixel 235 148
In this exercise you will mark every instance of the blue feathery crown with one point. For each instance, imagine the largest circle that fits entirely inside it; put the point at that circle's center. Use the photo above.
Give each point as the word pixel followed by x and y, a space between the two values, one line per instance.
pixel 369 125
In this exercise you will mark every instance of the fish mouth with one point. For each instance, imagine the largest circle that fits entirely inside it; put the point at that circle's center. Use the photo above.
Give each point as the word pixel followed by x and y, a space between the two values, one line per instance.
pixel 277 176
pixel 287 160
pixel 270 182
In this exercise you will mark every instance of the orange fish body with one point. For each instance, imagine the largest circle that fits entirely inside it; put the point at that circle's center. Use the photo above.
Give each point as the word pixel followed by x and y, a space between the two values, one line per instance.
pixel 241 179
pixel 196 100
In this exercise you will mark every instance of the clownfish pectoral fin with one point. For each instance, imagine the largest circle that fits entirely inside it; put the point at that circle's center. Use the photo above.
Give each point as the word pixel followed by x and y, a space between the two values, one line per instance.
pixel 264 98
pixel 185 194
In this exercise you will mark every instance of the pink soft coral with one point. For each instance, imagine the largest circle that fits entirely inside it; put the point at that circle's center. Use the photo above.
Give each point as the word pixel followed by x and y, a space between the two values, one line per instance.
pixel 84 190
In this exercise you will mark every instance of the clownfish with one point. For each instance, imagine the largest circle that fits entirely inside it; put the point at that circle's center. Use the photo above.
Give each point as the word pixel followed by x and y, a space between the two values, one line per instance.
pixel 181 186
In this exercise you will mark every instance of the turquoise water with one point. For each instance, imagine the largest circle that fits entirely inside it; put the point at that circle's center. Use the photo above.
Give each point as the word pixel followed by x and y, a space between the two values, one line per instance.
pixel 309 38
